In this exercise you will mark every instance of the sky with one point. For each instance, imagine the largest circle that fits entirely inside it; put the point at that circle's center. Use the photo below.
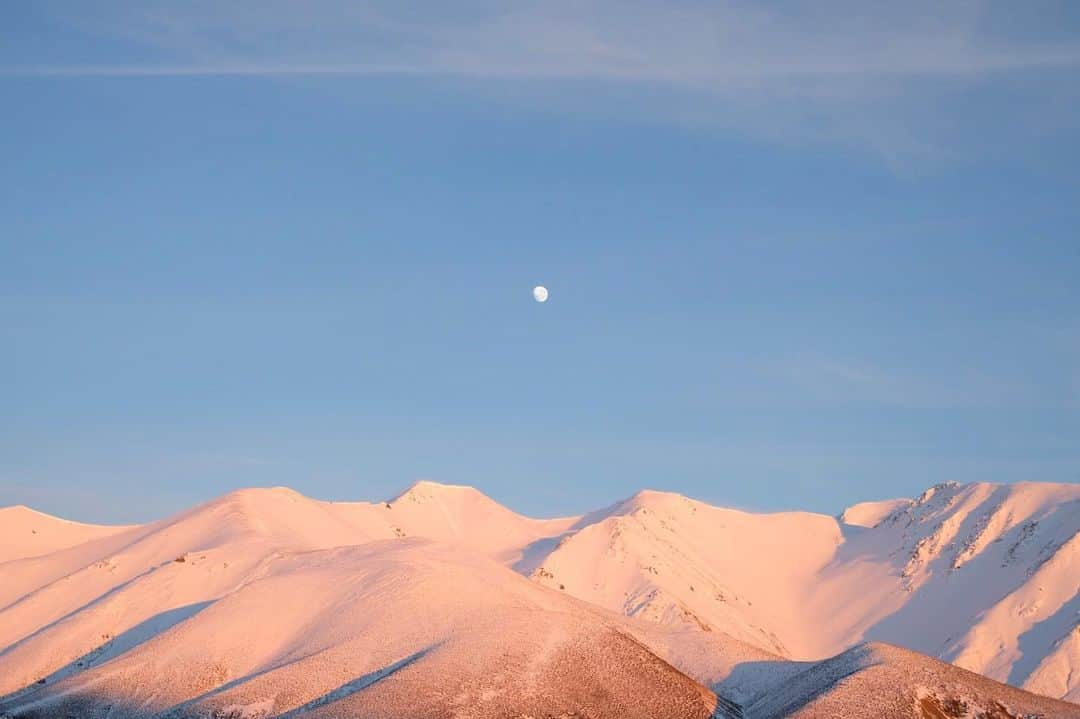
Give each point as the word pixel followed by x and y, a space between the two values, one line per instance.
pixel 800 255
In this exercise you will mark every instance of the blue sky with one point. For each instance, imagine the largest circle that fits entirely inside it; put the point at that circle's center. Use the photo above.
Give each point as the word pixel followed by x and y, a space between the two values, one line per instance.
pixel 800 255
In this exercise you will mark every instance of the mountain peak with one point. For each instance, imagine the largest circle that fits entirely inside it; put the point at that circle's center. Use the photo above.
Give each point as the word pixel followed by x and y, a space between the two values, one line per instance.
pixel 655 495
pixel 870 514
pixel 426 489
pixel 26 532
pixel 12 509
pixel 432 485
pixel 256 500
pixel 941 487
pixel 21 512
pixel 279 491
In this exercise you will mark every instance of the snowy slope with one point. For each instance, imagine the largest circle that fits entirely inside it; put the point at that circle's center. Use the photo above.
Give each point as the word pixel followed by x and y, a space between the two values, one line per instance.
pixel 25 533
pixel 394 628
pixel 870 514
pixel 130 577
pixel 264 591
pixel 677 561
pixel 877 680
pixel 984 576
pixel 469 518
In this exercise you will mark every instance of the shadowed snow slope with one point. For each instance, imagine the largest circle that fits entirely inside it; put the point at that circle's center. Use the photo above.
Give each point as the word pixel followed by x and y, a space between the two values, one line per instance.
pixel 266 603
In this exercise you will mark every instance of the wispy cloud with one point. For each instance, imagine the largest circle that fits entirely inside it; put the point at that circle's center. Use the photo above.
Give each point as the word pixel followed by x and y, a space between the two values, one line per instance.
pixel 704 77
pixel 697 44
pixel 842 68
pixel 225 70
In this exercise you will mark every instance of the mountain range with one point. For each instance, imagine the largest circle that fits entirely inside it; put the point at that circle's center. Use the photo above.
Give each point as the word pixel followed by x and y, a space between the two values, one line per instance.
pixel 962 602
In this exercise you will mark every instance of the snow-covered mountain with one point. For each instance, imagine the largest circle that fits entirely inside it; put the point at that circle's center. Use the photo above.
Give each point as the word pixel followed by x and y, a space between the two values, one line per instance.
pixel 984 576
pixel 266 603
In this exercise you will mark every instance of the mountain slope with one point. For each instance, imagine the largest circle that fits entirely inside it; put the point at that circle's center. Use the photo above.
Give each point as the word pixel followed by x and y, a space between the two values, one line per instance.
pixel 677 561
pixel 469 518
pixel 877 680
pixel 401 628
pixel 26 533
pixel 984 576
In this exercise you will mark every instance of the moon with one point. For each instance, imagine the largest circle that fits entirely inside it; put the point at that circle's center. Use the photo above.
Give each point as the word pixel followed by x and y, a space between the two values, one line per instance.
pixel 540 293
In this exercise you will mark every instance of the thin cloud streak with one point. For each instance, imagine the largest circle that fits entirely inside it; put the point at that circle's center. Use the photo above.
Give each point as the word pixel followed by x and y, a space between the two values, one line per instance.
pixel 210 71
pixel 643 41
pixel 913 67
pixel 898 80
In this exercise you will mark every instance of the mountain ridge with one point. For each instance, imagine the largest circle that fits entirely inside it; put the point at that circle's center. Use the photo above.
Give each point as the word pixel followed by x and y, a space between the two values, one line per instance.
pixel 985 576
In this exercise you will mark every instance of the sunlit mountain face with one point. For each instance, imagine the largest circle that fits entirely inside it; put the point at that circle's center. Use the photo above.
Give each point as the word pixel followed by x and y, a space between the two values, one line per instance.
pixel 442 602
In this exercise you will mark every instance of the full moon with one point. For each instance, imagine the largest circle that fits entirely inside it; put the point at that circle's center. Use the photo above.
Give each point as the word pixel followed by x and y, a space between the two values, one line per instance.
pixel 540 293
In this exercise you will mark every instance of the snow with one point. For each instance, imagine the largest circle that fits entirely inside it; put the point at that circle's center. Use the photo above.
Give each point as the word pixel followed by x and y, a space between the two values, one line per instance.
pixel 876 680
pixel 981 575
pixel 870 514
pixel 383 624
pixel 264 602
pixel 27 533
